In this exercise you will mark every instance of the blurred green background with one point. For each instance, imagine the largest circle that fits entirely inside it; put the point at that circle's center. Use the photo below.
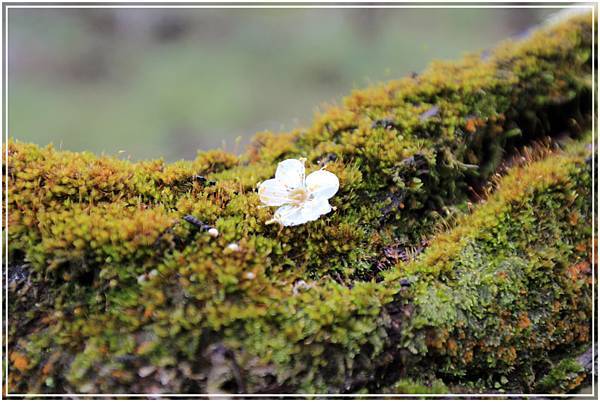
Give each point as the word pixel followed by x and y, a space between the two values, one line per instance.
pixel 169 82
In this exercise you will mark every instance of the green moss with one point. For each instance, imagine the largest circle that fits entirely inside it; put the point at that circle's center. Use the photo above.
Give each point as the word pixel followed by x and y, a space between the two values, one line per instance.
pixel 400 169
pixel 406 386
pixel 562 378
pixel 110 290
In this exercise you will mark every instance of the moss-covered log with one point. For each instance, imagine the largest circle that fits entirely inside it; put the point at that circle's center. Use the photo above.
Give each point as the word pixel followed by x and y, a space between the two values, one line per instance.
pixel 405 287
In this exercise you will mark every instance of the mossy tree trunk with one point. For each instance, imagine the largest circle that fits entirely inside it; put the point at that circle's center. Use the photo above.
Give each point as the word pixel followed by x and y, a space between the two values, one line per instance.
pixel 431 275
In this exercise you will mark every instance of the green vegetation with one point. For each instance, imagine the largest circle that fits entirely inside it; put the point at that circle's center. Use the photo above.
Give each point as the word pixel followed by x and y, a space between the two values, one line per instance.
pixel 110 290
pixel 563 377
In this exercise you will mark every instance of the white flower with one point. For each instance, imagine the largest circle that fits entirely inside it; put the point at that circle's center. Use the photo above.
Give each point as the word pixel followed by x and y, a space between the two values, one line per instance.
pixel 300 199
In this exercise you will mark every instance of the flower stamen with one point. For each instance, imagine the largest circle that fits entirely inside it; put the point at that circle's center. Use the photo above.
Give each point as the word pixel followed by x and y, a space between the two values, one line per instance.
pixel 298 196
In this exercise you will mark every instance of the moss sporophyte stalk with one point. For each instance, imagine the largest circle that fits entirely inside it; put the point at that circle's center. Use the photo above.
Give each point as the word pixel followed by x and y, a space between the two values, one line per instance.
pixel 456 256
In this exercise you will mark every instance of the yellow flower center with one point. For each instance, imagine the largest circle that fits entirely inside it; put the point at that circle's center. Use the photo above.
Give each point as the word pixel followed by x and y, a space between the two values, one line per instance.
pixel 298 196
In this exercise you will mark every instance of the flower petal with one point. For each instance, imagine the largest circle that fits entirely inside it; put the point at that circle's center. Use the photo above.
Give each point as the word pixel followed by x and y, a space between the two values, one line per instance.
pixel 273 193
pixel 322 184
pixel 290 173
pixel 311 210
pixel 290 215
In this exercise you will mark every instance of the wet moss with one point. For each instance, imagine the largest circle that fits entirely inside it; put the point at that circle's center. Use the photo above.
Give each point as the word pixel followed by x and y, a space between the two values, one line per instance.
pixel 116 292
